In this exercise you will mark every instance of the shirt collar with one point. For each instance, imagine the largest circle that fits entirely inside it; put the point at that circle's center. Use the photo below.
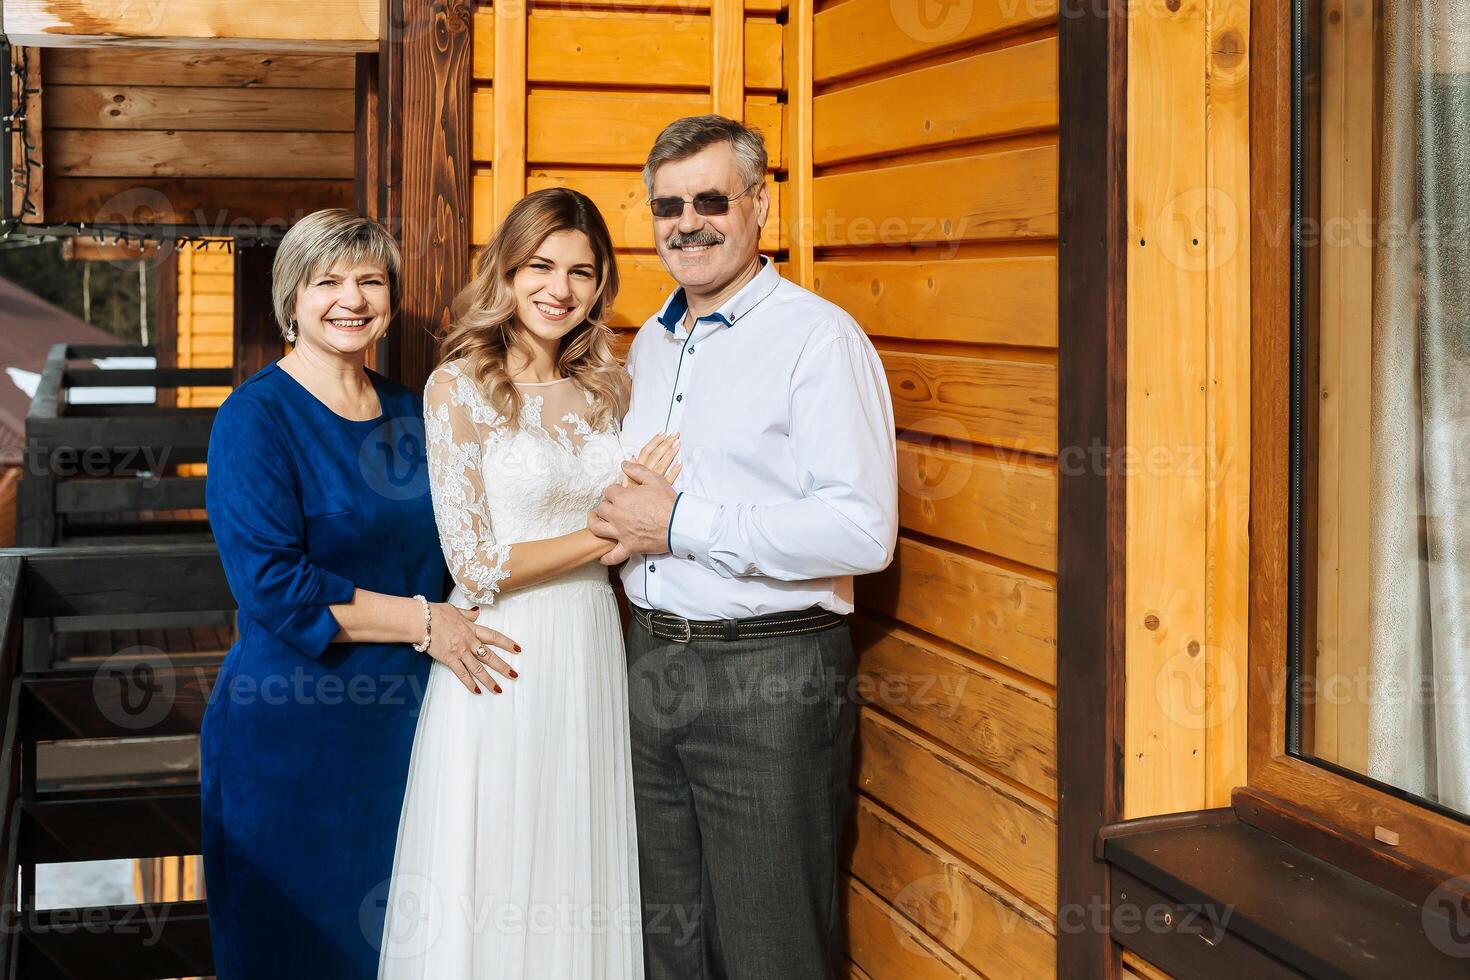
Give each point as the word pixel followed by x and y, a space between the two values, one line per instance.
pixel 749 297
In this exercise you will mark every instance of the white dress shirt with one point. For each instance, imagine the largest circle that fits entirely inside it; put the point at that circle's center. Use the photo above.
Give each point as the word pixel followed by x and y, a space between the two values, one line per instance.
pixel 790 484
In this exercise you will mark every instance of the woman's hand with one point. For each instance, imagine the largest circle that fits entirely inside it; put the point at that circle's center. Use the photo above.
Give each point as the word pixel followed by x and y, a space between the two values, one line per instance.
pixel 457 643
pixel 660 455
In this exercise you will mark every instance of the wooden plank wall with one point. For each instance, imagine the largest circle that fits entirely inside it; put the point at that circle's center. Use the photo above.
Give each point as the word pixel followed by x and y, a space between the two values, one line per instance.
pixel 206 319
pixel 205 138
pixel 933 219
pixel 1188 458
pixel 575 93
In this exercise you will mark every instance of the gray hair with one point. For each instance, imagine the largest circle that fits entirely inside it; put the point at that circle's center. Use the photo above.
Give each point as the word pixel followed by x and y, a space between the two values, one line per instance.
pixel 685 137
pixel 321 240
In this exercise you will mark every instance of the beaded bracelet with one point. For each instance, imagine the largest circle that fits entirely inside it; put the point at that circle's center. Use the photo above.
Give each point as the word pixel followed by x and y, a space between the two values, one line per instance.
pixel 424 646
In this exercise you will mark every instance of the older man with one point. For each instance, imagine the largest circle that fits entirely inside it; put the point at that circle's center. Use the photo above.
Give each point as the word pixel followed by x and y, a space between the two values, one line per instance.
pixel 741 577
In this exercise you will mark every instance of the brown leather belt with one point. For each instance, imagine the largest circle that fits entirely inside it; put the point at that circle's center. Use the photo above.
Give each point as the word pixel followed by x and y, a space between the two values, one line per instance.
pixel 667 626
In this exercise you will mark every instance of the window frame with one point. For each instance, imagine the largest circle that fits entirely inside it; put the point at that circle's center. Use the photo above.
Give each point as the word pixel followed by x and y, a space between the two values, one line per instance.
pixel 1380 825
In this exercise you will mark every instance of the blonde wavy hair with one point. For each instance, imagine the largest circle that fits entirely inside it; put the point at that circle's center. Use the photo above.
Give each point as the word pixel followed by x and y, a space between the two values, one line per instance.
pixel 486 328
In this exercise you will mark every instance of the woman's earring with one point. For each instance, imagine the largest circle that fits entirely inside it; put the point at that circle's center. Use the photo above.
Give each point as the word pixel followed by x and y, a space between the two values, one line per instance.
pixel 291 332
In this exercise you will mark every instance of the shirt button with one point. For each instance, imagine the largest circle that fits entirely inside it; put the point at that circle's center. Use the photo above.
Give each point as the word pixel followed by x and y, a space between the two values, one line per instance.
pixel 691 350
pixel 652 567
pixel 679 397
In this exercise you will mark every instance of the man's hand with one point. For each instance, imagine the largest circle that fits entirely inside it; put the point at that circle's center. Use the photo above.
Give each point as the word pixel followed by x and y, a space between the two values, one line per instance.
pixel 636 516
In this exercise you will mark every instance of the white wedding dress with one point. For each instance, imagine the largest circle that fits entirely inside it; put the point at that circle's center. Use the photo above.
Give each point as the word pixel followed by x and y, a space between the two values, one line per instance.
pixel 517 850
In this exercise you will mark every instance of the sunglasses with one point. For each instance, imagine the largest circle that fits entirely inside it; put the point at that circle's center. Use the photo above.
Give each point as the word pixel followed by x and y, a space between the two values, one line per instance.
pixel 705 204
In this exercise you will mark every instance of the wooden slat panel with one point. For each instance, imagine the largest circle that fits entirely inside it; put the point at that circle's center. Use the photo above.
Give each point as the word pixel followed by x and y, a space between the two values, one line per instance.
pixel 128 106
pixel 98 153
pixel 347 25
pixel 483 61
pixel 178 66
pixel 934 105
pixel 509 111
pixel 627 124
pixel 622 200
pixel 646 285
pixel 969 914
pixel 884 944
pixel 1011 405
pixel 1007 507
pixel 727 85
pixel 988 824
pixel 213 303
pixel 1006 616
pixel 862 34
pixel 763 55
pixel 797 136
pixel 1010 194
pixel 1006 725
pixel 214 285
pixel 208 202
pixel 1001 300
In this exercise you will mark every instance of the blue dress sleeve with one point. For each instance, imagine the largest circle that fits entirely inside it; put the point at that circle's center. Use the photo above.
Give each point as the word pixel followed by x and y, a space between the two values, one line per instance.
pixel 253 500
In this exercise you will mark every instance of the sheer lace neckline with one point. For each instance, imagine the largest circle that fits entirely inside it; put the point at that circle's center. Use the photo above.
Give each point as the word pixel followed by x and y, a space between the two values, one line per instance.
pixel 539 384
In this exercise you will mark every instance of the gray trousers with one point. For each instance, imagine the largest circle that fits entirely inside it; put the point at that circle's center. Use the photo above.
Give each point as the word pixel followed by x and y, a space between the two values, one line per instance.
pixel 741 753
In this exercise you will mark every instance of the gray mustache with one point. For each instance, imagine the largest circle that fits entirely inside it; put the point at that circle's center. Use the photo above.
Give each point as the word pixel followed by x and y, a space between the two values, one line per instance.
pixel 678 240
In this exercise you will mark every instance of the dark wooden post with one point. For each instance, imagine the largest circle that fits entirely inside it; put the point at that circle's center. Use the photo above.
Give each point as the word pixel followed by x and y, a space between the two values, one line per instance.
pixel 257 336
pixel 166 316
pixel 425 121
pixel 368 186
pixel 1092 423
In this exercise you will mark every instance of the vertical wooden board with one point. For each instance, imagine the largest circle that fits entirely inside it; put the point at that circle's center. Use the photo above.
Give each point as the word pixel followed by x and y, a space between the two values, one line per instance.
pixel 1001 722
pixel 798 124
pixel 1228 286
pixel 934 105
pixel 886 945
pixel 510 110
pixel 967 913
pixel 1167 689
pixel 990 825
pixel 1005 506
pixel 1005 616
pixel 483 60
pixel 1007 194
pixel 728 56
pixel 28 149
pixel 1005 299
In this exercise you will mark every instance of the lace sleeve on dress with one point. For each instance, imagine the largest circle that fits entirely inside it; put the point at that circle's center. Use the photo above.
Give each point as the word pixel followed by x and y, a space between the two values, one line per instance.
pixel 458 425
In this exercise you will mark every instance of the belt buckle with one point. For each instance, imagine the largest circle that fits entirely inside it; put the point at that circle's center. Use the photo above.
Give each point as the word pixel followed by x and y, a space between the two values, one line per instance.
pixel 688 631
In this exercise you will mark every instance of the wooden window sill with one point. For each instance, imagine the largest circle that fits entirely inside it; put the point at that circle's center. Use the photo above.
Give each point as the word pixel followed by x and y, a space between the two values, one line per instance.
pixel 1206 895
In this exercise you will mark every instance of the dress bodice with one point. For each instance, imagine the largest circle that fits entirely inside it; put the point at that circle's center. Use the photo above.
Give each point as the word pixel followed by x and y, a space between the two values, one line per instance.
pixel 496 482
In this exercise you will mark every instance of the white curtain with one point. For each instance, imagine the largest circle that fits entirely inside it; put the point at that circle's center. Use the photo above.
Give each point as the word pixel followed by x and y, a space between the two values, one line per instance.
pixel 1419 721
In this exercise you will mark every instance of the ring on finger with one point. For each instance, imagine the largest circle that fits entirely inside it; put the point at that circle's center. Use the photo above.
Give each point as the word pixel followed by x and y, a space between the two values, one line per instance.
pixel 482 651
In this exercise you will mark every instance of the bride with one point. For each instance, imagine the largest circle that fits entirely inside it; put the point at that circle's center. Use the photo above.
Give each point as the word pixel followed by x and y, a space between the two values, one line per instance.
pixel 517 853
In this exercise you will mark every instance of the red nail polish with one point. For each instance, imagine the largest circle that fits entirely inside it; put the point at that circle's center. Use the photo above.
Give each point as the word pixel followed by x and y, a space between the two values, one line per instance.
pixel 518 648
pixel 514 674
pixel 497 689
pixel 477 690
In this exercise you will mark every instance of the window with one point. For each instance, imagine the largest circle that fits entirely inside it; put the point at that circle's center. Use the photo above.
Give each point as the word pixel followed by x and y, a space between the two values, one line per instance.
pixel 1379 589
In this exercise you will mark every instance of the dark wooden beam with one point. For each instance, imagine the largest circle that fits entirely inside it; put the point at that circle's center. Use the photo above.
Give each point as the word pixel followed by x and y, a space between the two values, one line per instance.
pixel 257 337
pixel 426 118
pixel 131 701
pixel 120 942
pixel 137 578
pixel 1092 426
pixel 166 320
pixel 111 825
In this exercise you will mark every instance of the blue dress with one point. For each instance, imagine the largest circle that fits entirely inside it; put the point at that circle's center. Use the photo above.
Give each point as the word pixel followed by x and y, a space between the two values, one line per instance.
pixel 305 743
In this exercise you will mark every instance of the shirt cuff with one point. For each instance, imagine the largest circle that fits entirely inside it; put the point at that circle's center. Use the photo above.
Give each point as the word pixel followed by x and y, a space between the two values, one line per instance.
pixel 692 526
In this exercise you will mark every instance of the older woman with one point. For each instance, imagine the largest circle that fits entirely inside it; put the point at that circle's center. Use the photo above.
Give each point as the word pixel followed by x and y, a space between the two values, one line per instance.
pixel 319 501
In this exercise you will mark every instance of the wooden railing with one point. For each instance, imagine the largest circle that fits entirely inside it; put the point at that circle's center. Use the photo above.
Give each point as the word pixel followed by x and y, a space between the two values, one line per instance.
pixel 129 696
pixel 93 472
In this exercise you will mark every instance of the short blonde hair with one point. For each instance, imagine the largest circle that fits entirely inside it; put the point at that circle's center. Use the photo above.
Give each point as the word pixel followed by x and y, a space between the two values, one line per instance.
pixel 320 241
